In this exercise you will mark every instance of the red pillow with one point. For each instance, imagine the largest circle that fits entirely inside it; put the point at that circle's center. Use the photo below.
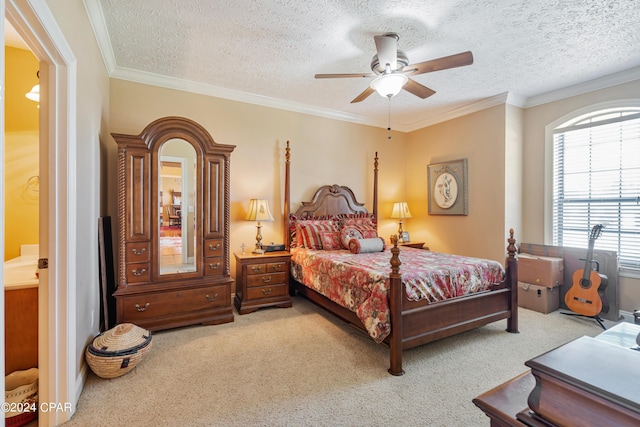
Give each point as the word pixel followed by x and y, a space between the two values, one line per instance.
pixel 330 240
pixel 309 232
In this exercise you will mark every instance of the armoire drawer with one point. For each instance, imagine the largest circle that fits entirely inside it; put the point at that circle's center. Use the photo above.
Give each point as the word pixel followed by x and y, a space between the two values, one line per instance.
pixel 213 266
pixel 138 252
pixel 158 304
pixel 138 272
pixel 213 248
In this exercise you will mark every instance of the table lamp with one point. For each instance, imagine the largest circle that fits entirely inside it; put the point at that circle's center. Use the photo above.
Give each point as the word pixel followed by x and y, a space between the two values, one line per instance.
pixel 259 211
pixel 400 211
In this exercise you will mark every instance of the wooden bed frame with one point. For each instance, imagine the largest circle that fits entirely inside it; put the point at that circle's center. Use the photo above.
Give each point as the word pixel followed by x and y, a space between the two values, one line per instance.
pixel 413 323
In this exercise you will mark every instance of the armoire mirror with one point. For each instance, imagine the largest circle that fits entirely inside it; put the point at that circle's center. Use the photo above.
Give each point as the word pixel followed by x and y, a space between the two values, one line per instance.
pixel 177 204
pixel 173 226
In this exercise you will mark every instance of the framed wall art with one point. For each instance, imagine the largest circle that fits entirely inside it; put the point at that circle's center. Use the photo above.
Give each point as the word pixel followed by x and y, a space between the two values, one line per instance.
pixel 448 188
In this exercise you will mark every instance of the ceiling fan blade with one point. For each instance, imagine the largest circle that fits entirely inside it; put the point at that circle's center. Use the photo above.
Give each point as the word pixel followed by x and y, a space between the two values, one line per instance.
pixel 418 89
pixel 387 47
pixel 444 63
pixel 340 76
pixel 368 91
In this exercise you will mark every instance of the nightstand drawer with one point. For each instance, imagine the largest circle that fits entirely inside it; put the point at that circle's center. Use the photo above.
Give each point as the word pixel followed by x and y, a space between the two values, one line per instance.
pixel 267 291
pixel 153 305
pixel 256 269
pixel 276 267
pixel 265 279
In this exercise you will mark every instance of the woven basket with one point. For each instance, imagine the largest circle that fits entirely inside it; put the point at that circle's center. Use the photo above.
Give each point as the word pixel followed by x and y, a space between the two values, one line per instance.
pixel 118 350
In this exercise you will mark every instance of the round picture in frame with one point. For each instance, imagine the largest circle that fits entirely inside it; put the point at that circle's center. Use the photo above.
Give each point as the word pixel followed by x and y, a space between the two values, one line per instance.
pixel 445 190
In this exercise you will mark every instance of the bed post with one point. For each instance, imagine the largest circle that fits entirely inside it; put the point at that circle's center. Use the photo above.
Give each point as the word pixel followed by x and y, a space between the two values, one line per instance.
pixel 287 201
pixel 512 277
pixel 375 187
pixel 395 309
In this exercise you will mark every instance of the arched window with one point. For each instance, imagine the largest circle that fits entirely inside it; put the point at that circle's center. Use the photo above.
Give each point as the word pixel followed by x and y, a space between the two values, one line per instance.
pixel 596 180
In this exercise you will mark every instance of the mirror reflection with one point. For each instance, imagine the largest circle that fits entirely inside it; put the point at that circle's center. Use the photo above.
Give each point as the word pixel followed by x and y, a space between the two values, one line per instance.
pixel 176 186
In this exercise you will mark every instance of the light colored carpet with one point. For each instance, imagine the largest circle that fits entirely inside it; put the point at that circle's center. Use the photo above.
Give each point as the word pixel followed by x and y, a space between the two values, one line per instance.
pixel 301 366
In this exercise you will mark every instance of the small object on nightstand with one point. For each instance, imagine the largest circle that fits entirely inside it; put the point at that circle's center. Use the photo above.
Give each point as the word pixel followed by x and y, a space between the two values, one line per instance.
pixel 262 281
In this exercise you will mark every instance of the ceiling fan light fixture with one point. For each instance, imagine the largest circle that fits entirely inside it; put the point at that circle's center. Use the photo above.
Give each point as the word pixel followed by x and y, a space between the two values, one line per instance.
pixel 389 85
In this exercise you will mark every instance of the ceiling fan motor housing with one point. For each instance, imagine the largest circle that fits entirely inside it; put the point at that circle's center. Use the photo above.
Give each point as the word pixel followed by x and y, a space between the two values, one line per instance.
pixel 401 59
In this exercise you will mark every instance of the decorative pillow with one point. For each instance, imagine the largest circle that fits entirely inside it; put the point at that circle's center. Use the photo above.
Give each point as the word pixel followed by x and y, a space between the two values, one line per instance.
pixel 296 238
pixel 330 240
pixel 363 221
pixel 309 231
pixel 365 246
pixel 348 233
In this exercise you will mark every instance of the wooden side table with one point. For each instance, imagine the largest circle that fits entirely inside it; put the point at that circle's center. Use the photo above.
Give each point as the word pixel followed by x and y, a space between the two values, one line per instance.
pixel 417 245
pixel 262 281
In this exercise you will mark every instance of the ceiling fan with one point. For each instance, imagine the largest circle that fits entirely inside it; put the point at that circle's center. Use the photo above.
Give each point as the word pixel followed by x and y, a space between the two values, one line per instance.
pixel 391 68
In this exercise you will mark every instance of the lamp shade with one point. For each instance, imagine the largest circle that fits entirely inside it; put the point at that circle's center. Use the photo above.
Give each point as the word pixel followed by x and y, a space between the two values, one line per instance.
pixel 400 210
pixel 389 85
pixel 259 211
pixel 34 94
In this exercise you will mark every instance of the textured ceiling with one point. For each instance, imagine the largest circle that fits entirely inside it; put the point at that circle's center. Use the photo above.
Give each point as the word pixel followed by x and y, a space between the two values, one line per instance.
pixel 267 52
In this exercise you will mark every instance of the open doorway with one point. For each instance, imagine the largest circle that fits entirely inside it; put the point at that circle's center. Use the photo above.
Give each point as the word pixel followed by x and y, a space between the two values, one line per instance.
pixel 57 364
pixel 21 217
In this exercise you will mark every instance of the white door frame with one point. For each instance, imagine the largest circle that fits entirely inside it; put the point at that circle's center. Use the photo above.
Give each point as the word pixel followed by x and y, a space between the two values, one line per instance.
pixel 59 382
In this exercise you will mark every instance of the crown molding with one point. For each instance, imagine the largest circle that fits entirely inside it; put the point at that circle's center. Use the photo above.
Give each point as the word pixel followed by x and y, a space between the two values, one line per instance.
pixel 234 95
pixel 610 80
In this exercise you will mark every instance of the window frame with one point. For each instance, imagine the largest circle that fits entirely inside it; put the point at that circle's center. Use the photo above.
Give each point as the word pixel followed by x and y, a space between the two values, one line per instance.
pixel 567 120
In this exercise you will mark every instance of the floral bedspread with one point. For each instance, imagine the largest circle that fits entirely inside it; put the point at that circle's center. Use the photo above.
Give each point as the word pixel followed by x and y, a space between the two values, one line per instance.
pixel 359 282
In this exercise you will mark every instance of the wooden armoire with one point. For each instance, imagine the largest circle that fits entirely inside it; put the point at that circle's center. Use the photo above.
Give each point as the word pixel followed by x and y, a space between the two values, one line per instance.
pixel 173 275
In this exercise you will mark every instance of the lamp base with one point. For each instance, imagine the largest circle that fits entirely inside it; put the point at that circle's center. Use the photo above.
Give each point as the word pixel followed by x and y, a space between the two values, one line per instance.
pixel 258 251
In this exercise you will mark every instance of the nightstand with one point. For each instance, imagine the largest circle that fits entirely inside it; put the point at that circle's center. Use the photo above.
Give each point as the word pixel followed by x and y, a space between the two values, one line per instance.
pixel 417 245
pixel 262 281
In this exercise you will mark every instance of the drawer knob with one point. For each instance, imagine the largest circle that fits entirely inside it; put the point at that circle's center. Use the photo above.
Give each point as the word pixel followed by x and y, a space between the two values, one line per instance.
pixel 266 279
pixel 212 299
pixel 142 308
pixel 214 248
pixel 256 269
pixel 266 291
pixel 137 273
pixel 214 266
pixel 277 267
pixel 138 252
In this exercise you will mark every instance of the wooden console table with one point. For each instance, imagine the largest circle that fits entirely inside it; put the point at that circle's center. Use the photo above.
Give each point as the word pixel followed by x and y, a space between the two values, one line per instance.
pixel 587 382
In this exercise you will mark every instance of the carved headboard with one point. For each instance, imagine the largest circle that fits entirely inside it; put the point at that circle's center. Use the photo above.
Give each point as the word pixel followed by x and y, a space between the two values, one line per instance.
pixel 328 200
pixel 331 200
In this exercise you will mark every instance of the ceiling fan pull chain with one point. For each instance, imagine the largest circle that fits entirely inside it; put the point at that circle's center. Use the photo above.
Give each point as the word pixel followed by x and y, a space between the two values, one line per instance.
pixel 389 127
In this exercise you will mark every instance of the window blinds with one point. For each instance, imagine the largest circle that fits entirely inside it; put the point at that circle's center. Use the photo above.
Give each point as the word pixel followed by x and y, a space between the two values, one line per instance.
pixel 596 180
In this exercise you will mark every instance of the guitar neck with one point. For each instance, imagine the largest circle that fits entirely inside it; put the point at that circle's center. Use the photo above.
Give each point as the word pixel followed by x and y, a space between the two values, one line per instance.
pixel 587 262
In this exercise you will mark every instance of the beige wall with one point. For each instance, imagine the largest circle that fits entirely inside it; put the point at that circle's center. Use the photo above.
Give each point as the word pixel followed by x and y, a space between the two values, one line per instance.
pixel 535 121
pixel 323 151
pixel 92 98
pixel 21 162
pixel 479 137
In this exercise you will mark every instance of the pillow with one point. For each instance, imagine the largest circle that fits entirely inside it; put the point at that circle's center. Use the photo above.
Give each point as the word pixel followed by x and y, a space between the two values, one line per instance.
pixel 348 233
pixel 360 222
pixel 296 239
pixel 365 246
pixel 309 232
pixel 330 240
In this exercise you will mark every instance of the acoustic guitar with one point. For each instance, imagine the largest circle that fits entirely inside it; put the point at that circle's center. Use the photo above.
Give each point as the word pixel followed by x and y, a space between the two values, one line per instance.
pixel 583 297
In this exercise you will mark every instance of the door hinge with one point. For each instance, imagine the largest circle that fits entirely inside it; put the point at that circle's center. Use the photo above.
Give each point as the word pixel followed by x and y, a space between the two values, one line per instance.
pixel 43 263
